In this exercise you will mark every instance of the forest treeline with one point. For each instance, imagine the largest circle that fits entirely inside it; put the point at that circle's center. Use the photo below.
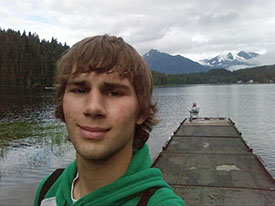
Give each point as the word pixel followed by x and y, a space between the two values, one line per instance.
pixel 263 74
pixel 26 62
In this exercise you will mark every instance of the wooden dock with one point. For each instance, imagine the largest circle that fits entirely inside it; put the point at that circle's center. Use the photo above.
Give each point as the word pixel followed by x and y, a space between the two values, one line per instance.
pixel 207 162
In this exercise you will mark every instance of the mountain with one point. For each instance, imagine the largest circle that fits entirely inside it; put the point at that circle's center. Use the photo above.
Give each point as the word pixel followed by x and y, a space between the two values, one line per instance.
pixel 238 60
pixel 166 63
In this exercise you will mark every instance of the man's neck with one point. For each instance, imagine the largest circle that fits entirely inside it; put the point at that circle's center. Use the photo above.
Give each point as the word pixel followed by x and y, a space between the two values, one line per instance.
pixel 94 174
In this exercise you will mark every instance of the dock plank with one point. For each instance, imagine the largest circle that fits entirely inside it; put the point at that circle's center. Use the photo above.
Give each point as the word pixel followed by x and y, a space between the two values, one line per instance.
pixel 207 162
pixel 207 131
pixel 211 145
pixel 206 196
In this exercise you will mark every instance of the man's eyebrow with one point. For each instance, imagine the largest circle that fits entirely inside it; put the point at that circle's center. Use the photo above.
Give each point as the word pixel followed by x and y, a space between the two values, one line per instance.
pixel 116 86
pixel 76 83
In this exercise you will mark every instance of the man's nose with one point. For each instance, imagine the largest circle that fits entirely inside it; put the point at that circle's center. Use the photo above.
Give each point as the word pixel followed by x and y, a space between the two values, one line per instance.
pixel 95 105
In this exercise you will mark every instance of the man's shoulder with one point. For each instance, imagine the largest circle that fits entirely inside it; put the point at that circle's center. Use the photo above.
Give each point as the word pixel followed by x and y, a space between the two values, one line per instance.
pixel 48 186
pixel 165 196
pixel 38 190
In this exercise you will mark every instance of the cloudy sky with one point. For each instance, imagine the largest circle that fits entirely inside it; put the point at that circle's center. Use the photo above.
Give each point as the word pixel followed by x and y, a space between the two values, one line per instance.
pixel 196 29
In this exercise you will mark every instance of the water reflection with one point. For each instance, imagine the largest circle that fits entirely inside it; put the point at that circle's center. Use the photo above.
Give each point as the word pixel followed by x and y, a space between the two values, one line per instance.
pixel 21 107
pixel 31 139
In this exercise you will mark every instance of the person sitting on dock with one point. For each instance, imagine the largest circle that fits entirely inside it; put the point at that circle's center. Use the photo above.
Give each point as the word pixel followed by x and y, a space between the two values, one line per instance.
pixel 194 112
pixel 104 96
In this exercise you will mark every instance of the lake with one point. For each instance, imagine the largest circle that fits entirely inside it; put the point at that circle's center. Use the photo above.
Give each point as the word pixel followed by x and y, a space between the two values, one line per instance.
pixel 33 143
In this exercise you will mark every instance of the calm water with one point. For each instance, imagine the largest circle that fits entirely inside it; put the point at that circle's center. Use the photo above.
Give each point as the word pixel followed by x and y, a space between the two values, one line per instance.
pixel 33 143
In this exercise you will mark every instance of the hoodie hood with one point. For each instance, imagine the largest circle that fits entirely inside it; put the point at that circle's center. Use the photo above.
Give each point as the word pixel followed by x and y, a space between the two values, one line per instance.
pixel 138 178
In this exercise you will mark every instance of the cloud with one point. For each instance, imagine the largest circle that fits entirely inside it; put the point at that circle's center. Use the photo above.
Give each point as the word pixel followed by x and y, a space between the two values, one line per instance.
pixel 265 59
pixel 194 29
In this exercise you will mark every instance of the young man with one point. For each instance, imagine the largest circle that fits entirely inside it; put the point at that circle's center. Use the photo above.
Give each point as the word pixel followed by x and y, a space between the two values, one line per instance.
pixel 104 96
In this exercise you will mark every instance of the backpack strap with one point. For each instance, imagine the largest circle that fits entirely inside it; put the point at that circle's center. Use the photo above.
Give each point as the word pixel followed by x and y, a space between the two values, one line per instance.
pixel 49 182
pixel 146 196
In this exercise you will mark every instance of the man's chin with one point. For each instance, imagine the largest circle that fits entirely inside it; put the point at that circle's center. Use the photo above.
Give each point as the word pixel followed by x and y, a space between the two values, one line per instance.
pixel 95 156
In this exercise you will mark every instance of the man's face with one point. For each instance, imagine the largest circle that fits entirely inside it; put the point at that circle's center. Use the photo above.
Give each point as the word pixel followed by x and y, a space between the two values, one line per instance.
pixel 100 113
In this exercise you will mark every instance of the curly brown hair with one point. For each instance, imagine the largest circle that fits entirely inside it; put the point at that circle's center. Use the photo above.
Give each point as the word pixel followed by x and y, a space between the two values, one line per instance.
pixel 109 54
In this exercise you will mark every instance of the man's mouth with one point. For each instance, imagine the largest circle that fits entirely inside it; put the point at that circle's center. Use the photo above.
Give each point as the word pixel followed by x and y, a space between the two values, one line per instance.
pixel 93 133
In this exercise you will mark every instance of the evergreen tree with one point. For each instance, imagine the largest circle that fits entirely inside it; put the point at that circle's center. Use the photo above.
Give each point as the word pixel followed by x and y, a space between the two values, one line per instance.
pixel 26 62
pixel 264 74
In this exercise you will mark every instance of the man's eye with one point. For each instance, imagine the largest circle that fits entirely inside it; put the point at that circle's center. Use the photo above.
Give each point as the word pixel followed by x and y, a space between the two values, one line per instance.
pixel 78 90
pixel 114 93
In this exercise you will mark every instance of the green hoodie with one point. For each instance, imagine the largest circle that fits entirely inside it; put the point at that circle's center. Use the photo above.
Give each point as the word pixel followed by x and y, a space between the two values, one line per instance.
pixel 124 191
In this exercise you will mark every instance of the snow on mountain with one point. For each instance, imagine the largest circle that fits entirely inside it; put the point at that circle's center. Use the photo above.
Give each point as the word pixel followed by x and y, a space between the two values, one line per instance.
pixel 166 63
pixel 231 59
